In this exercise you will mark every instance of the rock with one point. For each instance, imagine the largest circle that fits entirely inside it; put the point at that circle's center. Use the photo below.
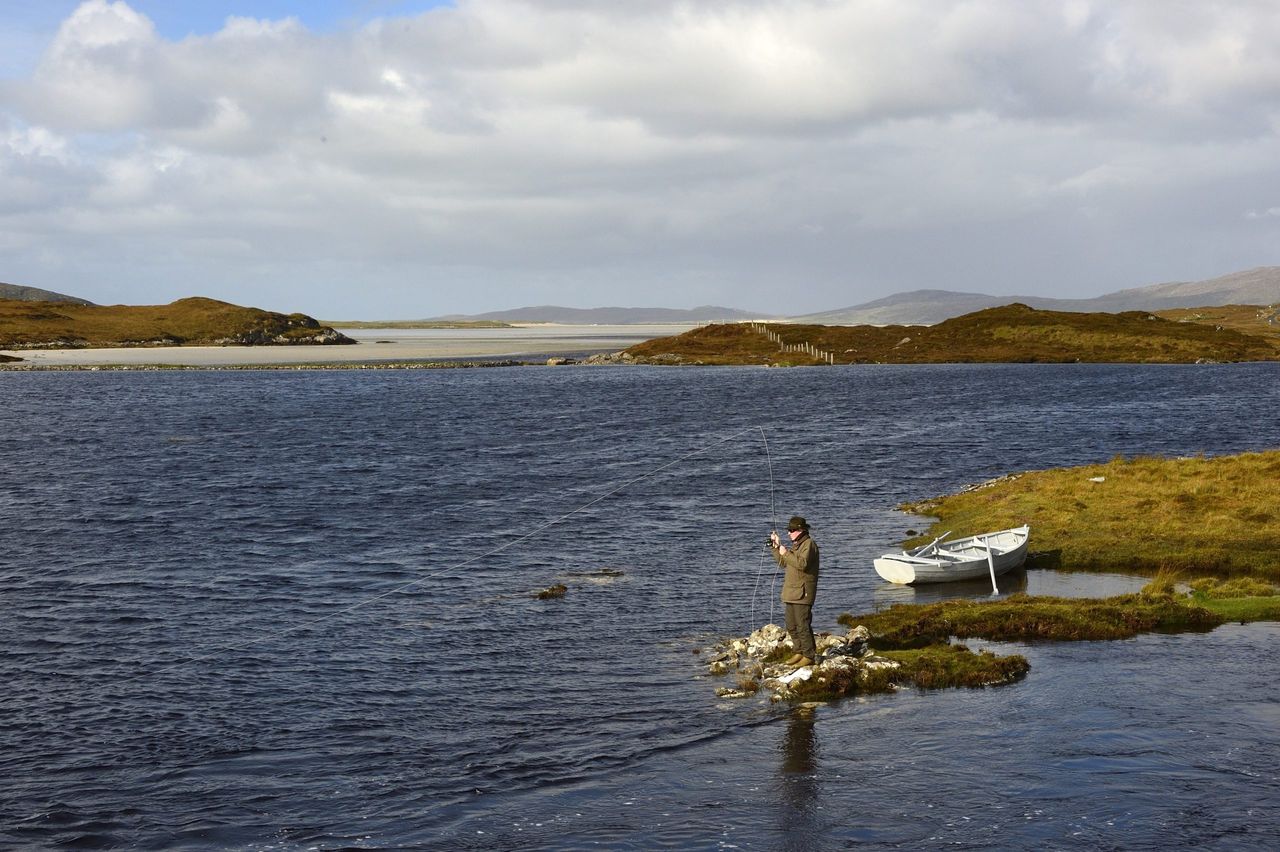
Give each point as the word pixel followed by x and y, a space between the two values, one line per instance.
pixel 556 591
pixel 852 644
pixel 557 361
pixel 797 675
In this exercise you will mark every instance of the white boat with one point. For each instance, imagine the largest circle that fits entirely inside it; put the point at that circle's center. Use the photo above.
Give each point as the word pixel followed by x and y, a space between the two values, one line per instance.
pixel 989 554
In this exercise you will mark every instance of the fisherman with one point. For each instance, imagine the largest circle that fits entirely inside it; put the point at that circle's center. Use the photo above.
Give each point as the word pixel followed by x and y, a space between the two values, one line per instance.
pixel 799 587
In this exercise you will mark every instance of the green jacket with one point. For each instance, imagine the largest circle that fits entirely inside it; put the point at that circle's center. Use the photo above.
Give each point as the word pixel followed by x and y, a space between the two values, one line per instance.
pixel 800 585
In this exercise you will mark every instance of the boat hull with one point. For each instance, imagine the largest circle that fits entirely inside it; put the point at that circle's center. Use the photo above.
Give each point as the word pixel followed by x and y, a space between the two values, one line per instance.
pixel 962 559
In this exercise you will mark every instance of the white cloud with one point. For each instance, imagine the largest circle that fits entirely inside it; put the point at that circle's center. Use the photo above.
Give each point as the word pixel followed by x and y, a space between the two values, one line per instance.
pixel 540 147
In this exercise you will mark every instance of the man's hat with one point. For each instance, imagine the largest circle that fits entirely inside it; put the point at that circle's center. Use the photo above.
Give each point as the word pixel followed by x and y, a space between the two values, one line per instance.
pixel 797 523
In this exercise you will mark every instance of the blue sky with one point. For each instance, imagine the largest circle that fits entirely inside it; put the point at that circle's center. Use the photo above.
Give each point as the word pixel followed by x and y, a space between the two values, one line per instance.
pixel 31 24
pixel 400 158
pixel 178 18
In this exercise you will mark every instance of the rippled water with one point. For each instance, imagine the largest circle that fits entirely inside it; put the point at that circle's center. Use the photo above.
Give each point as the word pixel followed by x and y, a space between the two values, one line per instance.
pixel 288 610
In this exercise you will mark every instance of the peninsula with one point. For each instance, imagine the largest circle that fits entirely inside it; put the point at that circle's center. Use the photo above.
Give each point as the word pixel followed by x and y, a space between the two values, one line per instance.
pixel 1009 334
pixel 194 321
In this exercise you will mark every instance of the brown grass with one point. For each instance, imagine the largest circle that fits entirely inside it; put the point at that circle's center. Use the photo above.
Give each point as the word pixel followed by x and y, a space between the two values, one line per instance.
pixel 1258 320
pixel 1009 334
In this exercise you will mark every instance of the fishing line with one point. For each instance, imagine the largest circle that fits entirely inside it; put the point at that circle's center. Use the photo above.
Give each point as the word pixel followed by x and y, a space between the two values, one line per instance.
pixel 773 521
pixel 499 549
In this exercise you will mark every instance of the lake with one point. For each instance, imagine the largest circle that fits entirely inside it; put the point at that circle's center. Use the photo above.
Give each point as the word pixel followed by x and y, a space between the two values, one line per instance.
pixel 288 610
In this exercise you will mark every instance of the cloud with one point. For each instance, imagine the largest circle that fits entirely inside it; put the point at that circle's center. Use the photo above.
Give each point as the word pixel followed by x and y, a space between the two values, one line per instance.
pixel 679 153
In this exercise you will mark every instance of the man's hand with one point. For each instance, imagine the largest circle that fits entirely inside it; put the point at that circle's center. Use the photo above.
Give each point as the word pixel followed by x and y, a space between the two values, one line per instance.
pixel 773 537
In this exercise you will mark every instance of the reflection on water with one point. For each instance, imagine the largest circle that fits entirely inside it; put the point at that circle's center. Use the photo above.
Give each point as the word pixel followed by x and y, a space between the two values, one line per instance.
pixel 1049 583
pixel 797 780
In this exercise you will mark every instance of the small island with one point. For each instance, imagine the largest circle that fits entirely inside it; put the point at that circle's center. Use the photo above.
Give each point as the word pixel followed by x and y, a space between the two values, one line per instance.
pixel 1009 334
pixel 195 321
pixel 1203 529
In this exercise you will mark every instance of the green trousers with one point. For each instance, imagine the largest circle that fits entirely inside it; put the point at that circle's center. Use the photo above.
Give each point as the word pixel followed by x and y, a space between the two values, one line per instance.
pixel 800 628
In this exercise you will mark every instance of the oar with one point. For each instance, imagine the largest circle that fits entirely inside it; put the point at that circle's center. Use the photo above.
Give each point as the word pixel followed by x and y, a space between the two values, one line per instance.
pixel 921 551
pixel 991 564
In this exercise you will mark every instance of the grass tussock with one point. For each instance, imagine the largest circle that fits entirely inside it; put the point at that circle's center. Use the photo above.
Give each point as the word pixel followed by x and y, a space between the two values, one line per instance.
pixel 939 666
pixel 1214 588
pixel 1023 618
pixel 1193 516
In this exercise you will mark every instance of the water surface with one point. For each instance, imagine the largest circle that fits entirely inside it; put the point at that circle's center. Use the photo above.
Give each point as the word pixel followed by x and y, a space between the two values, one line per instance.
pixel 296 610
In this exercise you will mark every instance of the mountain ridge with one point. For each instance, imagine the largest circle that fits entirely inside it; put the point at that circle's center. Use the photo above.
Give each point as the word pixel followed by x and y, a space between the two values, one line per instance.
pixel 605 315
pixel 1257 286
pixel 22 293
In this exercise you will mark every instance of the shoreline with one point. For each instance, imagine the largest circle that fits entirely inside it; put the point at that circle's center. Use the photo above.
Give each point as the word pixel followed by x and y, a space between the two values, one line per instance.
pixel 377 348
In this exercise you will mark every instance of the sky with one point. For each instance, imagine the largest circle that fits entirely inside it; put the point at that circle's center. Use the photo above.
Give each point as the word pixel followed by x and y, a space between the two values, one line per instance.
pixel 392 159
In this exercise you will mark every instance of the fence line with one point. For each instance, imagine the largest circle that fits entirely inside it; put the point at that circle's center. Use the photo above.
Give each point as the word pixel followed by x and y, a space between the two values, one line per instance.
pixel 805 347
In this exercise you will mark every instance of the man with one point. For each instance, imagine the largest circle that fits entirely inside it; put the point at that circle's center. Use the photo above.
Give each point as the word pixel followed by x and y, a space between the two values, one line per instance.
pixel 799 587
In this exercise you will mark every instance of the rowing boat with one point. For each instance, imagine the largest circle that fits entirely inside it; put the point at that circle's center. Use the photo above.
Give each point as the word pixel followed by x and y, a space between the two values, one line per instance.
pixel 961 559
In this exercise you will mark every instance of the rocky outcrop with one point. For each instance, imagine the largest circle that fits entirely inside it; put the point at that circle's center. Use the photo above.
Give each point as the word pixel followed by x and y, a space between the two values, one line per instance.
pixel 665 359
pixel 845 665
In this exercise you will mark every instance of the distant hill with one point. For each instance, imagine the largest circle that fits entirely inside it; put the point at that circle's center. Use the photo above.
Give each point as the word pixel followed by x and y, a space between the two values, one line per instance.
pixel 186 322
pixel 19 293
pixel 605 316
pixel 1259 286
pixel 1008 334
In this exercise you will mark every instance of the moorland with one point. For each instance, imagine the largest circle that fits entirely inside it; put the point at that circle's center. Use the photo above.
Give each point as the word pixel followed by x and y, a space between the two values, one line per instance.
pixel 193 321
pixel 1008 334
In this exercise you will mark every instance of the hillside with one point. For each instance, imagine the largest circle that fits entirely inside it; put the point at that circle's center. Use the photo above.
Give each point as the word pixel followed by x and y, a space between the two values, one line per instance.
pixel 605 316
pixel 1249 319
pixel 1010 334
pixel 1259 286
pixel 186 322
pixel 19 293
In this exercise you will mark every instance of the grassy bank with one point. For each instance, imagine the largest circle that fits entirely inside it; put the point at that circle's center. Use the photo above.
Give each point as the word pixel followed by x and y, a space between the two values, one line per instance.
pixel 1215 517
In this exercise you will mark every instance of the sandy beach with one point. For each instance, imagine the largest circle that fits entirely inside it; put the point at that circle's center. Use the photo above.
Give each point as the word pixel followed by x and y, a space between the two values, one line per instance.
pixel 374 346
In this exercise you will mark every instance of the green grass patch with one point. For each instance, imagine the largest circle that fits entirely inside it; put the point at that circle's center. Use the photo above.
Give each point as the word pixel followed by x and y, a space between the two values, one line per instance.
pixel 1244 609
pixel 941 666
pixel 1193 516
pixel 938 666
